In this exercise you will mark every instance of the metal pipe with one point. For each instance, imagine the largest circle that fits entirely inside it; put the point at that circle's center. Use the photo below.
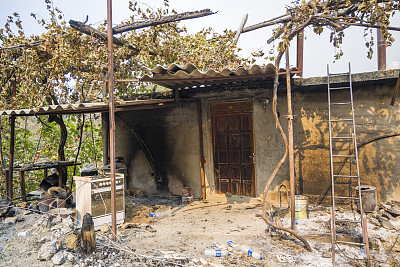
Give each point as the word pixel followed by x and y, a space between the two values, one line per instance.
pixel 203 179
pixel 11 163
pixel 112 117
pixel 290 139
pixel 381 50
pixel 300 51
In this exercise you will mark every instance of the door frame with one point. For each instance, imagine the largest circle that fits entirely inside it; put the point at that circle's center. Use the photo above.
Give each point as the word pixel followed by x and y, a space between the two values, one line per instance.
pixel 232 108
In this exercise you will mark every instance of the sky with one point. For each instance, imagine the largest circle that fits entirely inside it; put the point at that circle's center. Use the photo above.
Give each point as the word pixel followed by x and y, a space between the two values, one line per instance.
pixel 318 51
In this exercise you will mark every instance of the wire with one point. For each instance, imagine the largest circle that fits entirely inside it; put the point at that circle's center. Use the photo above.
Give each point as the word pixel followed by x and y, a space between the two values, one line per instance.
pixel 394 243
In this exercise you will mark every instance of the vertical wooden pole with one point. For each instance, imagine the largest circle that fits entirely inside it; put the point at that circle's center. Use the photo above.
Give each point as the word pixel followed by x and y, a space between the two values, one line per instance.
pixel 22 181
pixel 381 51
pixel 203 179
pixel 112 117
pixel 381 45
pixel 290 139
pixel 300 51
pixel 11 157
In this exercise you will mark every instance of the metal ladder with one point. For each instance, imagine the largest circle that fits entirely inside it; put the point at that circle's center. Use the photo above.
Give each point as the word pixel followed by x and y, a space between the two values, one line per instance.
pixel 344 157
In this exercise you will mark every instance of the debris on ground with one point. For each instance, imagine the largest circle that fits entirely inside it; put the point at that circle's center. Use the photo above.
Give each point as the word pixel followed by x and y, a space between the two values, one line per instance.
pixel 35 238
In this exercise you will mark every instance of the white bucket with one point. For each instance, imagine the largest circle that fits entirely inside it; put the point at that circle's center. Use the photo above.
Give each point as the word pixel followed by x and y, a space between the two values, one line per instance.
pixel 301 207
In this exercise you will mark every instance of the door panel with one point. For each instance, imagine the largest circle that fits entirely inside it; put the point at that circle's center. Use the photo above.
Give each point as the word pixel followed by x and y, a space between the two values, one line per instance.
pixel 233 149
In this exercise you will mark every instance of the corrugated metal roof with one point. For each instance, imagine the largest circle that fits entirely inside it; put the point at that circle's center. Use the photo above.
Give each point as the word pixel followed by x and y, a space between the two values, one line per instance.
pixel 81 108
pixel 189 76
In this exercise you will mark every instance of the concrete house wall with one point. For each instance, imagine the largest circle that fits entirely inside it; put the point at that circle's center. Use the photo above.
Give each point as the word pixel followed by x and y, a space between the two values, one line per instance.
pixel 172 135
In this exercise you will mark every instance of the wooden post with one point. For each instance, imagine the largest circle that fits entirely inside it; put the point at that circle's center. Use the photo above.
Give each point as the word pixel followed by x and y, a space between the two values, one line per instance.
pixel 300 52
pixel 240 29
pixel 381 51
pixel 60 177
pixel 11 157
pixel 112 117
pixel 290 139
pixel 88 236
pixel 381 45
pixel 22 181
pixel 203 179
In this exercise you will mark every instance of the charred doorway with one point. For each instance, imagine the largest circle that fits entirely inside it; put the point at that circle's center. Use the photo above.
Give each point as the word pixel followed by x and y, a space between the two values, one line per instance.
pixel 233 147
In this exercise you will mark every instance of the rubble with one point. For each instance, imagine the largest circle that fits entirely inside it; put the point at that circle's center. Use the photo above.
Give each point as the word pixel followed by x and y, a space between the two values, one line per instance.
pixel 47 251
pixel 182 239
pixel 58 258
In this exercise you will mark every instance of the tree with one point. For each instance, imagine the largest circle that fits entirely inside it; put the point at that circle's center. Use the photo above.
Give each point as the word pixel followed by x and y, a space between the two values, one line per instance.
pixel 71 66
pixel 62 65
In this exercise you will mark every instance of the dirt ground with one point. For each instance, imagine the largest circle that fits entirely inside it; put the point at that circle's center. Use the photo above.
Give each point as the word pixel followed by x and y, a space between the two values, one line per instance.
pixel 180 237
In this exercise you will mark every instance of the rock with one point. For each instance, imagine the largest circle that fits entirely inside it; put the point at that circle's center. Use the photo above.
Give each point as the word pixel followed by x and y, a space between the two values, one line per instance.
pixel 104 228
pixel 70 257
pixel 58 258
pixel 150 229
pixel 10 220
pixel 117 265
pixel 71 241
pixel 20 217
pixel 47 251
pixel 327 254
pixel 387 224
pixel 63 212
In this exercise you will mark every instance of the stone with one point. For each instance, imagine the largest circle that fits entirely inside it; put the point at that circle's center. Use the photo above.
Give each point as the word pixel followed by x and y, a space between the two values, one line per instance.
pixel 104 228
pixel 58 258
pixel 10 220
pixel 387 224
pixel 63 212
pixel 327 254
pixel 47 251
pixel 71 241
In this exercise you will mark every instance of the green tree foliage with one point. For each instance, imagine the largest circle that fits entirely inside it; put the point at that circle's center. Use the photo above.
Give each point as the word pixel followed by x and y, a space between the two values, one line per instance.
pixel 336 16
pixel 72 67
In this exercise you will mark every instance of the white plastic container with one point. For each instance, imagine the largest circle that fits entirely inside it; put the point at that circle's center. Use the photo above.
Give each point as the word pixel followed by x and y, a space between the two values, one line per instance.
pixel 216 252
pixel 245 249
pixel 160 214
pixel 25 233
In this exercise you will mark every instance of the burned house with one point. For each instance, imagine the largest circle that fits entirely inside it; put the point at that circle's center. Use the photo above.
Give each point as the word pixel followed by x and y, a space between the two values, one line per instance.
pixel 216 133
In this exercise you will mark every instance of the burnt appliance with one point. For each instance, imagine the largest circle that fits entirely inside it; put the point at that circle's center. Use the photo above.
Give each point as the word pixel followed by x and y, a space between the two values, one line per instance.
pixel 93 195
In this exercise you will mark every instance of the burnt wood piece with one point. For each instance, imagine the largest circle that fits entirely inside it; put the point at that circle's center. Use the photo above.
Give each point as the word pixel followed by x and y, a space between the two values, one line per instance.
pixel 162 20
pixel 22 46
pixel 86 29
pixel 88 237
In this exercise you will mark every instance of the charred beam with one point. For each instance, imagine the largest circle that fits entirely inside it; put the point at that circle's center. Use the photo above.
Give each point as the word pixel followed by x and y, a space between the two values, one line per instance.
pixel 86 29
pixel 22 46
pixel 162 20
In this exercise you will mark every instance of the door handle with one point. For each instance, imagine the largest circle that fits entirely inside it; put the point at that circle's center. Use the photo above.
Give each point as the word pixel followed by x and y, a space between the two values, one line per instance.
pixel 253 157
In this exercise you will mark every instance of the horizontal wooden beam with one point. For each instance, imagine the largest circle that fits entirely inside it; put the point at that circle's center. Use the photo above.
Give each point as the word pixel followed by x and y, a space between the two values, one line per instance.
pixel 162 20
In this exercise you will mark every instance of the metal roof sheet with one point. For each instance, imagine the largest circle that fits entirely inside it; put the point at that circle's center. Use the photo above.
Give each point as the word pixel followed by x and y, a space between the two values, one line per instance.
pixel 81 108
pixel 188 76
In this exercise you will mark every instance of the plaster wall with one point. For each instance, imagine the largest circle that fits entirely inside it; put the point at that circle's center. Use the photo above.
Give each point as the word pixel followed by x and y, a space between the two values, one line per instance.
pixel 374 117
pixel 172 136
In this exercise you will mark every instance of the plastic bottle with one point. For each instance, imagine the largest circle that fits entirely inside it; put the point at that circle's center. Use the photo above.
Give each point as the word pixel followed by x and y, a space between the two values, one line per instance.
pixel 253 253
pixel 215 252
pixel 25 233
pixel 245 249
pixel 159 214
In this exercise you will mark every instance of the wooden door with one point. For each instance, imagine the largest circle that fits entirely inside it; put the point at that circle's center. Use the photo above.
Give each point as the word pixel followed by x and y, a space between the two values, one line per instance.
pixel 233 148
